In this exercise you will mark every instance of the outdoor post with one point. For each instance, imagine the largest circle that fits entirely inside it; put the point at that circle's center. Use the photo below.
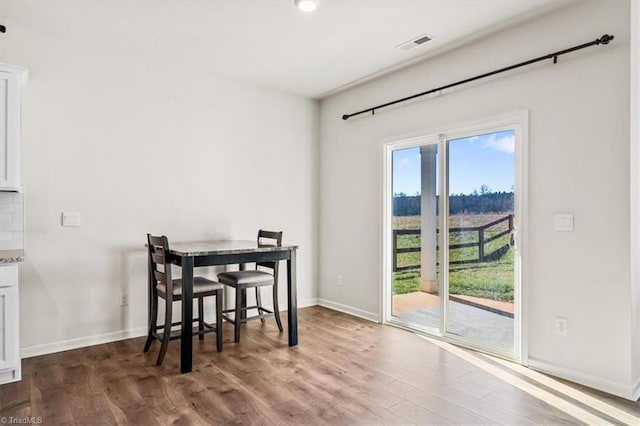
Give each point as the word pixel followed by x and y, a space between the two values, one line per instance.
pixel 428 237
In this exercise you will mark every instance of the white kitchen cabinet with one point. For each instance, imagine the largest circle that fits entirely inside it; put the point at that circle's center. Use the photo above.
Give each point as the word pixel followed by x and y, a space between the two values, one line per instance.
pixel 10 365
pixel 11 79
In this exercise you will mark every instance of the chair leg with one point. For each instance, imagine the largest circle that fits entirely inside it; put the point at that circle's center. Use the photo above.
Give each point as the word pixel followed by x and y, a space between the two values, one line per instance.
pixel 237 318
pixel 219 309
pixel 166 335
pixel 276 309
pixel 259 303
pixel 153 323
pixel 200 318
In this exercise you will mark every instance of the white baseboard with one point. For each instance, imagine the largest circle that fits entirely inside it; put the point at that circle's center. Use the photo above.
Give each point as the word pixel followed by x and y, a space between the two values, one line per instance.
pixel 307 302
pixel 609 386
pixel 80 342
pixel 301 304
pixel 635 395
pixel 356 312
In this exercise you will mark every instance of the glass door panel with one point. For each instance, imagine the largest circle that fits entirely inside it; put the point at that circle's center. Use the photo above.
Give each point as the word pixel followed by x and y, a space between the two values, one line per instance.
pixel 415 281
pixel 480 272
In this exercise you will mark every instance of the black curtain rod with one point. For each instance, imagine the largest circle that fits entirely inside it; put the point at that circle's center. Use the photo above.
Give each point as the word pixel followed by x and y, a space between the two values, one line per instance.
pixel 605 39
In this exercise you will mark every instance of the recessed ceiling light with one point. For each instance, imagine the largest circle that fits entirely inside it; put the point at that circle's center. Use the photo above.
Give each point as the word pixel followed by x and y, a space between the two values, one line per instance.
pixel 306 5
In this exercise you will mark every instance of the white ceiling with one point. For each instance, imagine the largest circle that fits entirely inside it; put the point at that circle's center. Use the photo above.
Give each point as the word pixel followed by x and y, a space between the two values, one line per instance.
pixel 271 42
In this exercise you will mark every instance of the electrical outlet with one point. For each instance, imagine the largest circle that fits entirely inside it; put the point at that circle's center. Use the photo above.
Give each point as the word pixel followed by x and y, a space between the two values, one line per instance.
pixel 340 280
pixel 562 326
pixel 124 298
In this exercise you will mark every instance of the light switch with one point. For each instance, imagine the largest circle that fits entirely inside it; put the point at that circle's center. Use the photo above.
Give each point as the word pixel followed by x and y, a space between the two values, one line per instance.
pixel 70 219
pixel 563 222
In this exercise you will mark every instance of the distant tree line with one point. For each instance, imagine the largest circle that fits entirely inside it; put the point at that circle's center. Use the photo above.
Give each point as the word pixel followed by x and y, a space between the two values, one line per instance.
pixel 485 202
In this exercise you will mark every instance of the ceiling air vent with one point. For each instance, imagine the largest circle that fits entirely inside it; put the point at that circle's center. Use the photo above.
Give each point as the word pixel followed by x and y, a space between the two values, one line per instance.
pixel 415 42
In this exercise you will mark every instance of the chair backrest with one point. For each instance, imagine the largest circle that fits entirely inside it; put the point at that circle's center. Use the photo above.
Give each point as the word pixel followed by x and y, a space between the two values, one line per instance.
pixel 158 263
pixel 266 239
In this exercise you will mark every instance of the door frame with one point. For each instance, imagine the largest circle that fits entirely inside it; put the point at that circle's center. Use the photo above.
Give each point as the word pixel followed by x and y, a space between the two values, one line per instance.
pixel 518 120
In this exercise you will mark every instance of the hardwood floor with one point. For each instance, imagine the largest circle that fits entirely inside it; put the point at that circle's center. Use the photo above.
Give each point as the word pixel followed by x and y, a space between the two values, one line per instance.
pixel 345 371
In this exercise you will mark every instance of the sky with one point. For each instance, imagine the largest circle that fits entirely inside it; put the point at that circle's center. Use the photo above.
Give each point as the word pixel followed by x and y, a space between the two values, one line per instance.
pixel 474 161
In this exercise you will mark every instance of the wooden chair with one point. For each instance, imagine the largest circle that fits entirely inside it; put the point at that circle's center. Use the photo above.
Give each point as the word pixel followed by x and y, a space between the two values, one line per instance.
pixel 265 274
pixel 171 291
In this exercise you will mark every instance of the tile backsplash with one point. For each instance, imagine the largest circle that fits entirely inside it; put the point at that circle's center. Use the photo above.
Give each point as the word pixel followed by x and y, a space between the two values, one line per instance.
pixel 11 221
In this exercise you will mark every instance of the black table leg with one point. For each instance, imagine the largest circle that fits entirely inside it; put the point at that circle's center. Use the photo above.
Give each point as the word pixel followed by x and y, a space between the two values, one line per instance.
pixel 292 300
pixel 186 341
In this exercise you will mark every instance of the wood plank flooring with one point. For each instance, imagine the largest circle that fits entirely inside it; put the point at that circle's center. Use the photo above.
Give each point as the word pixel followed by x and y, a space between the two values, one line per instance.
pixel 345 371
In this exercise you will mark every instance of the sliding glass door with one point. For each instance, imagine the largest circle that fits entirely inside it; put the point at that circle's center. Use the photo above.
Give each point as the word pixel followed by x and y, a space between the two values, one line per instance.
pixel 453 265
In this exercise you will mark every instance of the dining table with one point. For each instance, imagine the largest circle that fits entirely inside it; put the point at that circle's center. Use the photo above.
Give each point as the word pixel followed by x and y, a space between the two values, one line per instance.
pixel 194 254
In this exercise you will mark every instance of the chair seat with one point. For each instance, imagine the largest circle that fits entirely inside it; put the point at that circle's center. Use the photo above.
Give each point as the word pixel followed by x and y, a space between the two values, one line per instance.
pixel 200 285
pixel 246 278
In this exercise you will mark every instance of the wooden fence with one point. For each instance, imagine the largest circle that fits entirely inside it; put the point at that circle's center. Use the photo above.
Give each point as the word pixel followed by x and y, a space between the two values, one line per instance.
pixel 482 240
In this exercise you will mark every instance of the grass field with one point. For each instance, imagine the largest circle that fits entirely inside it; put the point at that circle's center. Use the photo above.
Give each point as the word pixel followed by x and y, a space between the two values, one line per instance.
pixel 490 280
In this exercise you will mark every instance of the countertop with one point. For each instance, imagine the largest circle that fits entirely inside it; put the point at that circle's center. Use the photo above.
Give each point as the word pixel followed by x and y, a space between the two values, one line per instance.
pixel 11 256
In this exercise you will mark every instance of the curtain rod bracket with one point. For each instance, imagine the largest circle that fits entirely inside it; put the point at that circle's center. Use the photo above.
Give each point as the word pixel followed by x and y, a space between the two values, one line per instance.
pixel 604 39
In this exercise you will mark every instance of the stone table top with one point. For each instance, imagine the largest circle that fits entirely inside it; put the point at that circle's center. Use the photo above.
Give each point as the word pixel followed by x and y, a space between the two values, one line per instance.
pixel 204 248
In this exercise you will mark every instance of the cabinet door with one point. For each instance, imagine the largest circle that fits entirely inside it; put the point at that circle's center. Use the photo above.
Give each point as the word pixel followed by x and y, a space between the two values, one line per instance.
pixel 9 328
pixel 10 82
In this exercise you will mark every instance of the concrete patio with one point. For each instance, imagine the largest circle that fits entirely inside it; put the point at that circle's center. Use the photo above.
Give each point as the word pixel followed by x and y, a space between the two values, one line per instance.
pixel 487 320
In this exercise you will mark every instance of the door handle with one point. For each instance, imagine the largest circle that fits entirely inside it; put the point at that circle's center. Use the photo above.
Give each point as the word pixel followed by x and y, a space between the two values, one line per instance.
pixel 513 239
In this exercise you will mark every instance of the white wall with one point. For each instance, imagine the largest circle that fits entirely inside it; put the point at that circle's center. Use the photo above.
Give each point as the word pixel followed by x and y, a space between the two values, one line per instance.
pixel 578 162
pixel 136 147
pixel 635 194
